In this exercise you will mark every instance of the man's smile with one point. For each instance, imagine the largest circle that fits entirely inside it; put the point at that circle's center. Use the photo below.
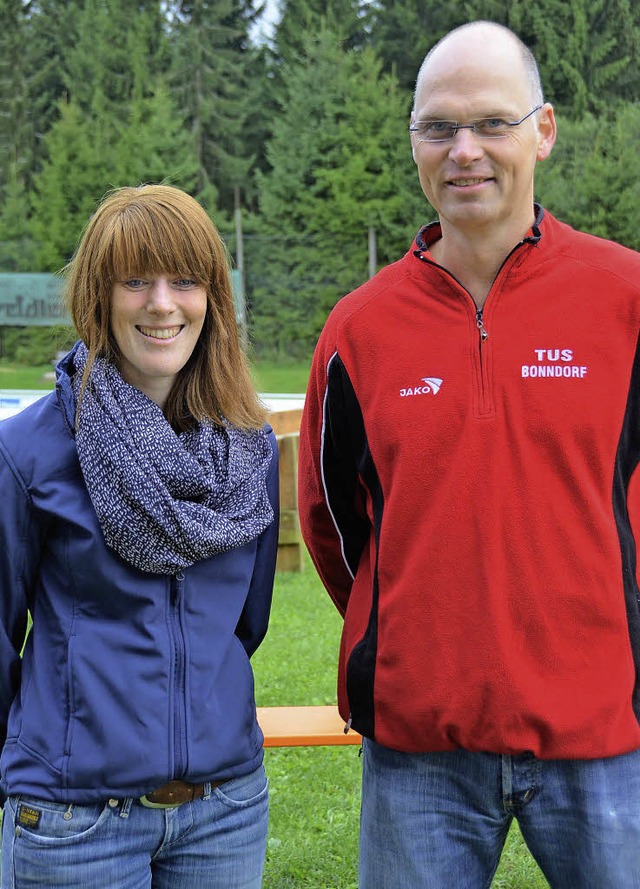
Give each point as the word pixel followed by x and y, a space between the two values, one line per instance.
pixel 465 183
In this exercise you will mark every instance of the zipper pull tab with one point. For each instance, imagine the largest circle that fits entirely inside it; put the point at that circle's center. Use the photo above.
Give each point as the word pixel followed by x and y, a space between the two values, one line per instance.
pixel 480 325
pixel 176 586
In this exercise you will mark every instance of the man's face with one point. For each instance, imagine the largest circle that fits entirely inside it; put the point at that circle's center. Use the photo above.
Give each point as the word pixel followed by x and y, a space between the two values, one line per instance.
pixel 474 182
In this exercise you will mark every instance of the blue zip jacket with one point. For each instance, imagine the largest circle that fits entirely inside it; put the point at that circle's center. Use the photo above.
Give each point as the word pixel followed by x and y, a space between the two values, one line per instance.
pixel 128 679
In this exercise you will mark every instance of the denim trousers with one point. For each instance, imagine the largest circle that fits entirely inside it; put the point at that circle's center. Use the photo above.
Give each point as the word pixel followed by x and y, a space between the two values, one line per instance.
pixel 440 820
pixel 216 842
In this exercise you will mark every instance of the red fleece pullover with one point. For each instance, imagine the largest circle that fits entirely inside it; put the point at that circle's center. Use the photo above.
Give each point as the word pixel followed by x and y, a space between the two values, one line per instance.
pixel 468 489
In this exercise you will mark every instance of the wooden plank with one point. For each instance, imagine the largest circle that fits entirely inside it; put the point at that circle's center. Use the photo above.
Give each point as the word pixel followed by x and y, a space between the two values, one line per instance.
pixel 304 727
pixel 287 421
pixel 290 545
pixel 290 557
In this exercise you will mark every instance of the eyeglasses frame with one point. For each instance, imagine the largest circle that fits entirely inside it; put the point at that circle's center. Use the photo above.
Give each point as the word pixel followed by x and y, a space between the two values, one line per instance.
pixel 413 128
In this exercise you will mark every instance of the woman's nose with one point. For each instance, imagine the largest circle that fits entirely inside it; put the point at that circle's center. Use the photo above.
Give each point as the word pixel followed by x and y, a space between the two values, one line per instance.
pixel 160 297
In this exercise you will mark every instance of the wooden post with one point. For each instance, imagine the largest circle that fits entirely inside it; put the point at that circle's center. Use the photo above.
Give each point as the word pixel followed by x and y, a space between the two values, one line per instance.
pixel 373 251
pixel 240 265
pixel 290 545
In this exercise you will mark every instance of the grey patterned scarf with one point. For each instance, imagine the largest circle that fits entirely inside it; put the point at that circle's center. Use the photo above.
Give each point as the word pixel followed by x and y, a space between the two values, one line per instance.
pixel 166 500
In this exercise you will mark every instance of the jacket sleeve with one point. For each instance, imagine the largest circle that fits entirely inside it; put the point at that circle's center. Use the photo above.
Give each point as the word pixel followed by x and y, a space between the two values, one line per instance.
pixel 19 557
pixel 331 496
pixel 252 626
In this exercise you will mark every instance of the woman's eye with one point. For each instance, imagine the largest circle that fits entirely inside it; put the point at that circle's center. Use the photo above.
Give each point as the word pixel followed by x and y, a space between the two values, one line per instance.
pixel 185 282
pixel 134 282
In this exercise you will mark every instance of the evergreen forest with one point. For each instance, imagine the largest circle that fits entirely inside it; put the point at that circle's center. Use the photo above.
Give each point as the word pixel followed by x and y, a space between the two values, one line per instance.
pixel 295 137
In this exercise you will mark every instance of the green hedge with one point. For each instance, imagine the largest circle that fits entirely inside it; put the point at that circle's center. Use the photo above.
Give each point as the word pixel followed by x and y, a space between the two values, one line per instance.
pixel 34 346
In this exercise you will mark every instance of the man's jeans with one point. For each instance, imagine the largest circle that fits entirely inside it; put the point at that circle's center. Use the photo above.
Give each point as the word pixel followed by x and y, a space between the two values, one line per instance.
pixel 439 820
pixel 217 842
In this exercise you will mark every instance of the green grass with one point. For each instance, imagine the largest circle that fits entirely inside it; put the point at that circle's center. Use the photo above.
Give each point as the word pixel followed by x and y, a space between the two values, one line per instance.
pixel 315 791
pixel 291 376
pixel 269 376
pixel 15 376
pixel 313 836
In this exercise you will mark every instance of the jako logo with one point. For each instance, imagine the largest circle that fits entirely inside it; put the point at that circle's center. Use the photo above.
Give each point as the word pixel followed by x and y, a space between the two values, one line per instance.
pixel 431 387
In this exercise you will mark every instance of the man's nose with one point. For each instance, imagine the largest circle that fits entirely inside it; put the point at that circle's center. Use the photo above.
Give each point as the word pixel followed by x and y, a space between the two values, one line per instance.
pixel 465 147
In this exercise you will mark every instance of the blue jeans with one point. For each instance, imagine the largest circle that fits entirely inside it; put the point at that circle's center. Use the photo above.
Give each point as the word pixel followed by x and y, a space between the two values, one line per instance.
pixel 217 842
pixel 440 820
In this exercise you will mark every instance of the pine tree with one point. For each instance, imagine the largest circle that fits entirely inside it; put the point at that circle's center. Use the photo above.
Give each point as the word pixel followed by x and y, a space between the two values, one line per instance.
pixel 341 163
pixel 16 246
pixel 14 141
pixel 68 187
pixel 87 156
pixel 117 123
pixel 403 33
pixel 592 178
pixel 153 144
pixel 50 31
pixel 301 18
pixel 588 50
pixel 120 47
pixel 213 65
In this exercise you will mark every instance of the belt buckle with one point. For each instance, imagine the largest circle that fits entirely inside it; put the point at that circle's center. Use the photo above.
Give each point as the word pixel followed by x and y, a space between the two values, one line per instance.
pixel 149 805
pixel 170 795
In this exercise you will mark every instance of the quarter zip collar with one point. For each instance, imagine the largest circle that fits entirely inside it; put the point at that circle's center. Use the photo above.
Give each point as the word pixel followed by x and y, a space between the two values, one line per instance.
pixel 431 232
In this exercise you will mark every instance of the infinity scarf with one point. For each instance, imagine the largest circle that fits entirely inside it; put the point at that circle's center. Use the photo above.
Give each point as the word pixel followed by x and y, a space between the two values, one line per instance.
pixel 166 500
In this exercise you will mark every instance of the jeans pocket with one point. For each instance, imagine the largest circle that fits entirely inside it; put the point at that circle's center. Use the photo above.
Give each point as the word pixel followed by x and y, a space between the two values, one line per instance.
pixel 48 823
pixel 247 790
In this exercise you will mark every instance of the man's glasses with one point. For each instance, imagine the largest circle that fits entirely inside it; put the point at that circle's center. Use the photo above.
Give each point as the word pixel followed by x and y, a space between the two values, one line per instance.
pixel 486 128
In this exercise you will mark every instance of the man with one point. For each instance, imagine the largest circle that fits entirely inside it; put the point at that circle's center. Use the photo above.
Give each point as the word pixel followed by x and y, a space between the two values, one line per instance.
pixel 468 454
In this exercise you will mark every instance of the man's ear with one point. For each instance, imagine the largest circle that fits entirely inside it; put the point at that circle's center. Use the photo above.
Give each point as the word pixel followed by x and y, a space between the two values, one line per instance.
pixel 413 150
pixel 547 131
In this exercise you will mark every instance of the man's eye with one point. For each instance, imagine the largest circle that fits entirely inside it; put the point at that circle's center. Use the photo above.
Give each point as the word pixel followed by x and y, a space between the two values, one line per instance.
pixel 491 125
pixel 438 127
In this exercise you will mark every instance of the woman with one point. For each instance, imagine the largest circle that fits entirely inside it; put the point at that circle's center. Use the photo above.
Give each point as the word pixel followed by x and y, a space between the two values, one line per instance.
pixel 138 528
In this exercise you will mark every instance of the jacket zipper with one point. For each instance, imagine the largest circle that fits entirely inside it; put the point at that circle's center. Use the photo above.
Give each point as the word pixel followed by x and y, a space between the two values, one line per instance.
pixel 485 401
pixel 179 675
pixel 486 405
pixel 484 335
pixel 485 394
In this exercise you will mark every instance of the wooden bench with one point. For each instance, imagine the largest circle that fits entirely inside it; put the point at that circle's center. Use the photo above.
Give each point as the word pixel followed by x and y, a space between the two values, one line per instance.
pixel 304 727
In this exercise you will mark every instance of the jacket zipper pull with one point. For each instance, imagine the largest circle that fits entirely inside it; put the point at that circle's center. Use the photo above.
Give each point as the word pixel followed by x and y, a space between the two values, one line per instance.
pixel 175 588
pixel 484 335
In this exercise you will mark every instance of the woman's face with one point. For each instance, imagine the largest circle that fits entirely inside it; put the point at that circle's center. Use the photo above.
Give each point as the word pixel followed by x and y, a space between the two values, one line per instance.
pixel 156 321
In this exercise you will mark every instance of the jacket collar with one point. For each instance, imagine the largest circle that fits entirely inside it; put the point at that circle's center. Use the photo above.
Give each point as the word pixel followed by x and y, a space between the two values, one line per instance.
pixel 430 233
pixel 65 370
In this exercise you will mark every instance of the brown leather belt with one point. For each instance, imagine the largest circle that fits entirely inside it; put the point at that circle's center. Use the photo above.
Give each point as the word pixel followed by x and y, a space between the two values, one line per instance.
pixel 175 793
